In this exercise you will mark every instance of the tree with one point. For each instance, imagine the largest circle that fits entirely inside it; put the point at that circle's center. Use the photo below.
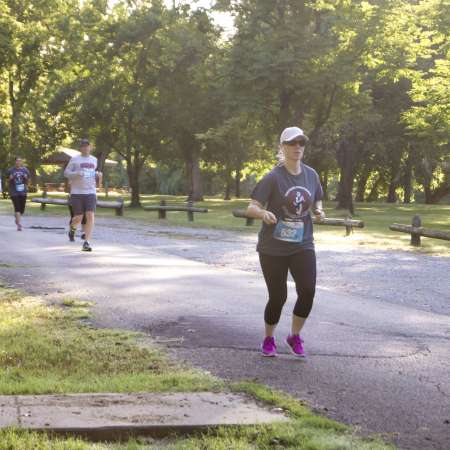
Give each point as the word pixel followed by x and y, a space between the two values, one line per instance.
pixel 184 84
pixel 230 146
pixel 111 93
pixel 30 50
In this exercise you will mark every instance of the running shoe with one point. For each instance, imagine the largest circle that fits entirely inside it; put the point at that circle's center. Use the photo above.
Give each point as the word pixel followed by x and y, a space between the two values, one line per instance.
pixel 86 247
pixel 19 227
pixel 295 344
pixel 268 347
pixel 72 235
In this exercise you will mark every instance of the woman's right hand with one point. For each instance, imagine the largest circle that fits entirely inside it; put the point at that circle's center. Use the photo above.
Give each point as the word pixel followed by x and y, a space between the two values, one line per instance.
pixel 269 218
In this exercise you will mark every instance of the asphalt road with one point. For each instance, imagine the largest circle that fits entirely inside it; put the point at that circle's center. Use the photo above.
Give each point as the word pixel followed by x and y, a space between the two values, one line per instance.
pixel 378 338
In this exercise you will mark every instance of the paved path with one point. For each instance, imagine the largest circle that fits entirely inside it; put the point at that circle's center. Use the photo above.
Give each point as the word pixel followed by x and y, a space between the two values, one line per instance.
pixel 375 361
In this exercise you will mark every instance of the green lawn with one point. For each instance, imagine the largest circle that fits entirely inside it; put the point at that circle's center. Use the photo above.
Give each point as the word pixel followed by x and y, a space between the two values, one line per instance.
pixel 53 349
pixel 376 216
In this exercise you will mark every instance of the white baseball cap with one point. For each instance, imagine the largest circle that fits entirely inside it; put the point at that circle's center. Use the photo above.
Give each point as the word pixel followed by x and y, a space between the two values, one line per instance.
pixel 291 133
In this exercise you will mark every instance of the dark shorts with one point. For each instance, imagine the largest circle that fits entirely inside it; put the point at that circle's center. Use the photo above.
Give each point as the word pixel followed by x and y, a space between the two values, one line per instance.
pixel 82 203
pixel 83 221
pixel 19 202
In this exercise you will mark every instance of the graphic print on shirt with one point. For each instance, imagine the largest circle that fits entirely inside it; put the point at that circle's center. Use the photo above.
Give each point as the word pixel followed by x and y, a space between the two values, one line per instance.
pixel 88 169
pixel 20 186
pixel 297 201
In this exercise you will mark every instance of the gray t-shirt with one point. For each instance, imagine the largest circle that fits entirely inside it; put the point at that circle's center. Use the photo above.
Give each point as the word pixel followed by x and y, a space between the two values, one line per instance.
pixel 81 173
pixel 290 198
pixel 18 185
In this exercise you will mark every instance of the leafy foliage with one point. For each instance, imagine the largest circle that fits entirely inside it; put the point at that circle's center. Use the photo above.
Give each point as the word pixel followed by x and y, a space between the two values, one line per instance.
pixel 157 85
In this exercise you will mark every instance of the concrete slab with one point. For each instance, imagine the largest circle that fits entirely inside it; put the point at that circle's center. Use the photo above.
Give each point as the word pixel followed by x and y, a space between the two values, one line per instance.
pixel 116 416
pixel 8 411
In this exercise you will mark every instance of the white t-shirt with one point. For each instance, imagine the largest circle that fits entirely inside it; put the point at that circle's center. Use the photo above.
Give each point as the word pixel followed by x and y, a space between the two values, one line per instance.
pixel 81 173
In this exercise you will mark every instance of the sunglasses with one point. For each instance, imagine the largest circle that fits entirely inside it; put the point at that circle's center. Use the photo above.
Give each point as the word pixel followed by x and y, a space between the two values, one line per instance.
pixel 300 142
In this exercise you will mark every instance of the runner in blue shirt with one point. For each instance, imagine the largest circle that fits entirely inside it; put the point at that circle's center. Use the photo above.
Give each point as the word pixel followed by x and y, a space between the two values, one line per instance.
pixel 18 177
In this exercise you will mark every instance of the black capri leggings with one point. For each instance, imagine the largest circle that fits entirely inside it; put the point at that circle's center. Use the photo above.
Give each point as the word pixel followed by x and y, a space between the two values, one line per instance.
pixel 302 266
pixel 19 202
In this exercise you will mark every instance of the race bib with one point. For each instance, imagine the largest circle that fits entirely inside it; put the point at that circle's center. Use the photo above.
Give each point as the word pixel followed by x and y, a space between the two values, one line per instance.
pixel 89 173
pixel 289 231
pixel 20 187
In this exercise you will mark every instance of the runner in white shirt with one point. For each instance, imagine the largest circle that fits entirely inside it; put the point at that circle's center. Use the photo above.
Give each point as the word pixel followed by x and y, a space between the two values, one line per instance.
pixel 83 176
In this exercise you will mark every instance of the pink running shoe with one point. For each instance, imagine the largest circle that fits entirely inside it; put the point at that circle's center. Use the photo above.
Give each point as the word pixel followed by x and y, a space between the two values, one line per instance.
pixel 295 344
pixel 268 347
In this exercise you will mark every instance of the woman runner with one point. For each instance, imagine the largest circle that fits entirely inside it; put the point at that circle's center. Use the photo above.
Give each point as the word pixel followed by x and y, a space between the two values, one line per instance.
pixel 283 200
pixel 18 177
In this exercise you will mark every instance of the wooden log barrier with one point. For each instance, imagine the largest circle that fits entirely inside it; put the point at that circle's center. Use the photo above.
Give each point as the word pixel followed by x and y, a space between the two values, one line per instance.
pixel 416 231
pixel 116 205
pixel 163 208
pixel 348 223
pixel 50 201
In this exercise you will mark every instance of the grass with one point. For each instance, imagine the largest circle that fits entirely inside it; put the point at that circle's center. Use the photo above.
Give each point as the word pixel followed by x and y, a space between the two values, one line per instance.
pixel 305 431
pixel 47 349
pixel 376 216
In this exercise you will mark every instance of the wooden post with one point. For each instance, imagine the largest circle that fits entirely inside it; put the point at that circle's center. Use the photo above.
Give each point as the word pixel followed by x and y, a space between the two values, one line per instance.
pixel 119 211
pixel 162 212
pixel 348 228
pixel 415 238
pixel 190 214
pixel 44 194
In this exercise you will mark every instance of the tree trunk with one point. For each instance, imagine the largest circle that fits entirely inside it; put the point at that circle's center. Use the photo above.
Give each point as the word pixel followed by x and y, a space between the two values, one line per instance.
pixel 392 195
pixel 428 191
pixel 407 180
pixel 361 186
pixel 133 171
pixel 237 182
pixel 134 165
pixel 373 194
pixel 228 184
pixel 191 152
pixel 395 178
pixel 16 107
pixel 33 175
pixel 195 179
pixel 14 133
pixel 346 166
pixel 101 158
pixel 324 182
pixel 135 194
pixel 440 192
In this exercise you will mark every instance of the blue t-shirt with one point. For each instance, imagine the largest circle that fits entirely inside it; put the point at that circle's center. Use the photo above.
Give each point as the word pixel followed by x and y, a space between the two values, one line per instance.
pixel 290 198
pixel 18 185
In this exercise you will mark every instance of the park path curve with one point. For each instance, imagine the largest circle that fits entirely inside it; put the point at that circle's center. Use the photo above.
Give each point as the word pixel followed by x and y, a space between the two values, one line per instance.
pixel 381 365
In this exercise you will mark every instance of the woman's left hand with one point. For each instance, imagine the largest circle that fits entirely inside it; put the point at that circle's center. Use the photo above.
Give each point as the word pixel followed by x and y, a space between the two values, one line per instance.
pixel 319 214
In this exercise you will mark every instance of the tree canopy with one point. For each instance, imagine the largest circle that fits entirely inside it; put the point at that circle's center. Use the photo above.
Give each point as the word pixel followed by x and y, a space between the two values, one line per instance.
pixel 159 85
